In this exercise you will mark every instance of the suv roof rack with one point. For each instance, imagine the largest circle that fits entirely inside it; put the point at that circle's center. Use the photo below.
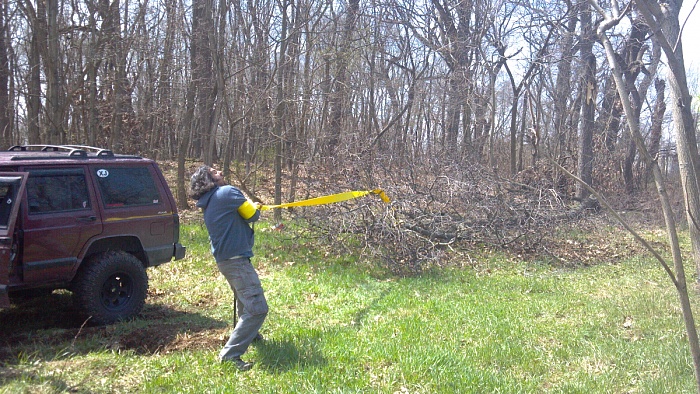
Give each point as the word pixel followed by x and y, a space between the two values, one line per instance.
pixel 73 150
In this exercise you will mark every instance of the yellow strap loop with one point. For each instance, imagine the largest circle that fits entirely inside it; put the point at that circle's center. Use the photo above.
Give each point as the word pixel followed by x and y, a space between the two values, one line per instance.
pixel 330 199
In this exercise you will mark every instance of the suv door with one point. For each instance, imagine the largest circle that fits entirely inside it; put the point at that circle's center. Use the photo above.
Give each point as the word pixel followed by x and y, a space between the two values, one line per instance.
pixel 136 204
pixel 60 218
pixel 11 187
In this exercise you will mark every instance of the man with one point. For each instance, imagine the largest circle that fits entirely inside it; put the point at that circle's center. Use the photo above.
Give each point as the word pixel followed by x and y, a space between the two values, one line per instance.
pixel 227 214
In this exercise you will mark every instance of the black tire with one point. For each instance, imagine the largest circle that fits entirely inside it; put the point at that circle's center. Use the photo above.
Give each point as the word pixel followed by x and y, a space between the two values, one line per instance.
pixel 112 286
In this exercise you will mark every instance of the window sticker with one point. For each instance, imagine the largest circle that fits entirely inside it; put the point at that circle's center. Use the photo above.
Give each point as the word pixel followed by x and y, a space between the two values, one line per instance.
pixel 102 173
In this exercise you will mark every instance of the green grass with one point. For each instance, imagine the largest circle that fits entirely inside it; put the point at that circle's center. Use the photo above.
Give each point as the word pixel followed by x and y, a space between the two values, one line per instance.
pixel 337 325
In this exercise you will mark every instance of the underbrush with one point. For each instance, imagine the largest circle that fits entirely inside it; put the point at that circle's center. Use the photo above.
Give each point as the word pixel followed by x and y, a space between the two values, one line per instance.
pixel 446 215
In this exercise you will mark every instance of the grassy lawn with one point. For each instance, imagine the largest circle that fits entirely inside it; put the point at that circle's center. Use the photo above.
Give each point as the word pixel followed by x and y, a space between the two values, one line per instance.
pixel 337 325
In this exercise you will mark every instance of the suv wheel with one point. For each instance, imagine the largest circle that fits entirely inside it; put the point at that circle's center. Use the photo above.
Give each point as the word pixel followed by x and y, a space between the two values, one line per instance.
pixel 111 287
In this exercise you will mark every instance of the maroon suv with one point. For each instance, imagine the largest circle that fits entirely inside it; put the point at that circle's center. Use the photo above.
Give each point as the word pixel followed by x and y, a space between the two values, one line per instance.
pixel 87 220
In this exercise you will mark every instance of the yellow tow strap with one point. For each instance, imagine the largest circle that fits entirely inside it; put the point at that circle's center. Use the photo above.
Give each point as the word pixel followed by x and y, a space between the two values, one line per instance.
pixel 332 198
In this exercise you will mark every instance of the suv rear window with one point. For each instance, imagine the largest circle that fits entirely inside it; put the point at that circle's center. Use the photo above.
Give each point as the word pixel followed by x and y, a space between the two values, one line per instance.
pixel 127 186
pixel 57 191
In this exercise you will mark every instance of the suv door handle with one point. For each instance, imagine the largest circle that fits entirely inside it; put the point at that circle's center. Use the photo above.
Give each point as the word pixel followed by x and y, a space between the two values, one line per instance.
pixel 87 218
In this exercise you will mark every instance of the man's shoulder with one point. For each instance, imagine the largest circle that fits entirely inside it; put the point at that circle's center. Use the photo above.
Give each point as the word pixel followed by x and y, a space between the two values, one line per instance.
pixel 230 192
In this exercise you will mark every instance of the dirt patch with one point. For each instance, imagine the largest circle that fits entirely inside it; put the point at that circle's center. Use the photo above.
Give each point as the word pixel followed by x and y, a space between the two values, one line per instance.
pixel 158 329
pixel 590 243
pixel 167 338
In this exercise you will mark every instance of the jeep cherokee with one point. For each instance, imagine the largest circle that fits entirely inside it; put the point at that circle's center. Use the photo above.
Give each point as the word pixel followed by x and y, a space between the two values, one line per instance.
pixel 84 219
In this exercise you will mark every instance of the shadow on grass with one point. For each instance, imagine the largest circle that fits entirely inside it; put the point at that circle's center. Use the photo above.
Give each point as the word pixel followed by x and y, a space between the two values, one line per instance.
pixel 52 384
pixel 283 355
pixel 304 350
pixel 48 328
pixel 362 313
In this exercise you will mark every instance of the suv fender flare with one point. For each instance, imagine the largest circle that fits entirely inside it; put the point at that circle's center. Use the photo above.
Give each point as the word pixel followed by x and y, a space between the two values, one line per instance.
pixel 127 243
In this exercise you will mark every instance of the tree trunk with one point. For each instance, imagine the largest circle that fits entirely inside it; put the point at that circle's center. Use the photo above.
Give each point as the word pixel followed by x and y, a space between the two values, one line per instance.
pixel 513 126
pixel 455 96
pixel 52 65
pixel 656 124
pixel 588 104
pixel 187 123
pixel 93 124
pixel 521 135
pixel 628 166
pixel 280 110
pixel 611 114
pixel 562 88
pixel 162 124
pixel 340 96
pixel 34 85
pixel 206 119
pixel 5 121
pixel 631 58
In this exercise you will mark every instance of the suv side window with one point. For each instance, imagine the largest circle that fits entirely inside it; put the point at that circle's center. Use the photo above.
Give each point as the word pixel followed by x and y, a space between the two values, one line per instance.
pixel 7 192
pixel 57 191
pixel 127 186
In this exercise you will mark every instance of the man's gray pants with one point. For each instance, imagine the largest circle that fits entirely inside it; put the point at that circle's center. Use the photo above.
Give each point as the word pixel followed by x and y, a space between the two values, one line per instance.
pixel 251 305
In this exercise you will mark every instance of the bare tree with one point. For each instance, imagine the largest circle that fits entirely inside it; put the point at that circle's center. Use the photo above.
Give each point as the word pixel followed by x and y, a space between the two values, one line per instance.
pixel 562 92
pixel 164 124
pixel 517 91
pixel 678 277
pixel 200 66
pixel 48 20
pixel 33 92
pixel 589 92
pixel 663 21
pixel 280 110
pixel 339 97
pixel 656 125
pixel 632 63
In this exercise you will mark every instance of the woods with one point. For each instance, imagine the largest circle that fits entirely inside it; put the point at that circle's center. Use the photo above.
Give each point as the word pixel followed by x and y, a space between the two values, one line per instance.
pixel 491 124
pixel 367 93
